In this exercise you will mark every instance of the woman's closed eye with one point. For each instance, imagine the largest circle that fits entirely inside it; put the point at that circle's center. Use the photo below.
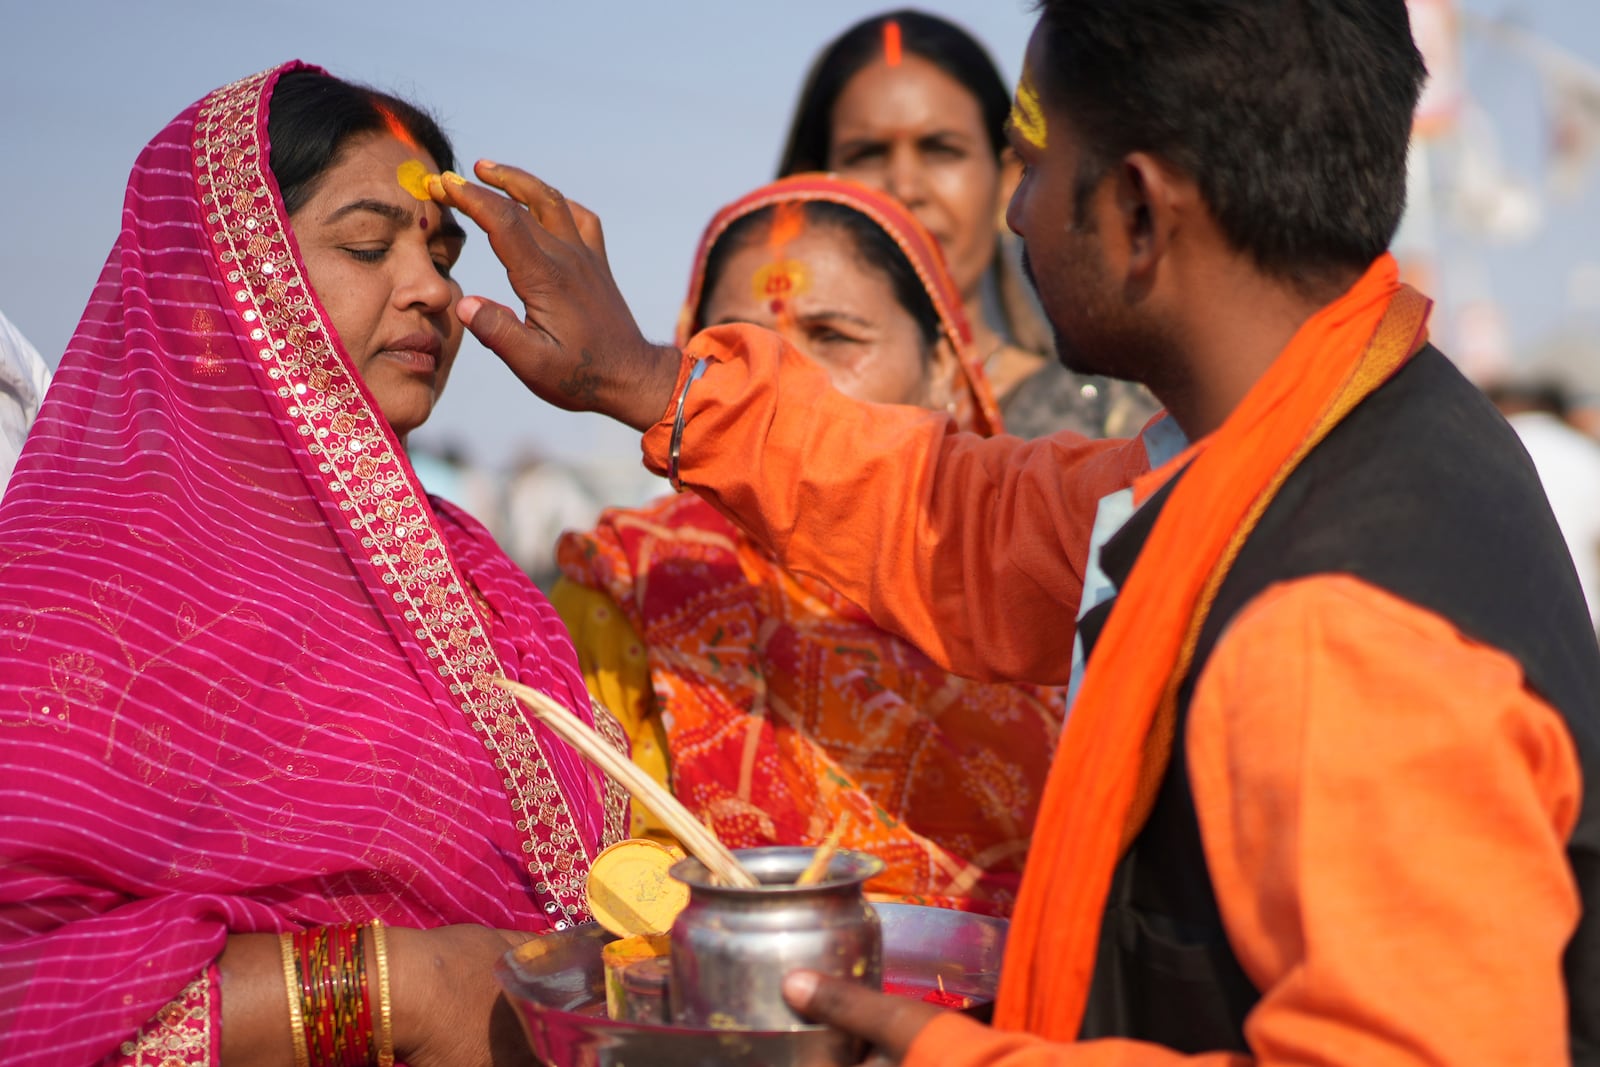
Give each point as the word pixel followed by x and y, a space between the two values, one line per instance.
pixel 830 333
pixel 366 253
pixel 443 262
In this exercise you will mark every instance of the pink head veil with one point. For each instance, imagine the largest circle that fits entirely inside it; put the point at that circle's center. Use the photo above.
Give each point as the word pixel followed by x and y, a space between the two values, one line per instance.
pixel 244 665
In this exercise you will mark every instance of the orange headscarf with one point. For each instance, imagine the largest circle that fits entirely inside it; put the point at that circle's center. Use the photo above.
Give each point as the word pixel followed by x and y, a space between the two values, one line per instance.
pixel 1118 738
pixel 912 238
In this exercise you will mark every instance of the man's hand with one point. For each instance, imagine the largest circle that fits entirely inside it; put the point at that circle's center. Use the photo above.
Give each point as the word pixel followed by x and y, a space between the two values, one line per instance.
pixel 576 343
pixel 886 1022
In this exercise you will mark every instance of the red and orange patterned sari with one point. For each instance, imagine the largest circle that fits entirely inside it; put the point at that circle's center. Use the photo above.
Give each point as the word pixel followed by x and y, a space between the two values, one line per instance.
pixel 783 711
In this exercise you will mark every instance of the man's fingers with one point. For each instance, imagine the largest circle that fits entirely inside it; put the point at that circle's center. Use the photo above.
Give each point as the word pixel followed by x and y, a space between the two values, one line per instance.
pixel 589 229
pixel 889 1023
pixel 513 234
pixel 542 201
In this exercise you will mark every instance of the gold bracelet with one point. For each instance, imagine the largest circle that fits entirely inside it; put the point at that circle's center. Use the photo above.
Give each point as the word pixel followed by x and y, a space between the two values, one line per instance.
pixel 291 979
pixel 380 949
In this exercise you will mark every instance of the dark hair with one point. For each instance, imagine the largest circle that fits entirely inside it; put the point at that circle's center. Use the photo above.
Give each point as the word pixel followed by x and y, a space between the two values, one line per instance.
pixel 314 114
pixel 1292 116
pixel 944 44
pixel 875 248
pixel 1531 394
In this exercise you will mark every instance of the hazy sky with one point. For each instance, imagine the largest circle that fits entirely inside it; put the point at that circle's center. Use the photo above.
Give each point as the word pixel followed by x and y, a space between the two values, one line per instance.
pixel 653 112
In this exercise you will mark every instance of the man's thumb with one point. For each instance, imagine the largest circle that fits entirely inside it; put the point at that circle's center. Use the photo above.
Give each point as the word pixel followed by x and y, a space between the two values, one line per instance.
pixel 500 331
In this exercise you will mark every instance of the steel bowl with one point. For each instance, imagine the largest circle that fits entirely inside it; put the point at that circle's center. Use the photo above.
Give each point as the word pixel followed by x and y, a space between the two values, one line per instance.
pixel 556 984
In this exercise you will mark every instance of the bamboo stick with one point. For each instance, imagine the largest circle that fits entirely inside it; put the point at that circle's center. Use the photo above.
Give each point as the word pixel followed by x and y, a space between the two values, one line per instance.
pixel 690 831
pixel 817 869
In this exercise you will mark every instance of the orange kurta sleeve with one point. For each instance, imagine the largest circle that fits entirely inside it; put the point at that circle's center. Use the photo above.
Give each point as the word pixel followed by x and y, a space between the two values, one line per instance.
pixel 971 548
pixel 1384 809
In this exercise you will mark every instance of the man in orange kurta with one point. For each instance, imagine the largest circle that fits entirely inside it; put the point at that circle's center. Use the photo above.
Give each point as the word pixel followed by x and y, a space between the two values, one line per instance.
pixel 1320 794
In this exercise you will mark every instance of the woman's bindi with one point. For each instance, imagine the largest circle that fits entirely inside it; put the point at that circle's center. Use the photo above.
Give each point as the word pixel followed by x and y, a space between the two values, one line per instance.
pixel 778 283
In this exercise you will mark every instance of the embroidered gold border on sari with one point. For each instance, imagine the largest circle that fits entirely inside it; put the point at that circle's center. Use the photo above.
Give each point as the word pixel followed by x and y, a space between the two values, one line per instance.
pixel 369 490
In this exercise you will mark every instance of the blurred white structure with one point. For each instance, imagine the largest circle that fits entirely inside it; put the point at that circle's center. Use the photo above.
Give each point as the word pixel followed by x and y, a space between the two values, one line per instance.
pixel 24 377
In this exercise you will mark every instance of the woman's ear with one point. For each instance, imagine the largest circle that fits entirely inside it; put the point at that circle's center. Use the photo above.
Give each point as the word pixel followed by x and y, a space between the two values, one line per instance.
pixel 944 381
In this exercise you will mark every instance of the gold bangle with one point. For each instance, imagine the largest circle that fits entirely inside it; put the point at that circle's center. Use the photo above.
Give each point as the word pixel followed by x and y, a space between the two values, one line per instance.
pixel 291 980
pixel 380 949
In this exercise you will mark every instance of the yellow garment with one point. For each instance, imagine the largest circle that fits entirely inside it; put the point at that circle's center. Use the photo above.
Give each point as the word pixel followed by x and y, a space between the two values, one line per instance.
pixel 618 675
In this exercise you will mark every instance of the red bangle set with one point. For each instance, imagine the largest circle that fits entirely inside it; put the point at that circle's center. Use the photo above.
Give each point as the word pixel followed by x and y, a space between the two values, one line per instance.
pixel 335 1014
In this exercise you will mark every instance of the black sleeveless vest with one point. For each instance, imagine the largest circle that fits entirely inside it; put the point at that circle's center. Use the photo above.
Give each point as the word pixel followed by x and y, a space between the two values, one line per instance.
pixel 1422 491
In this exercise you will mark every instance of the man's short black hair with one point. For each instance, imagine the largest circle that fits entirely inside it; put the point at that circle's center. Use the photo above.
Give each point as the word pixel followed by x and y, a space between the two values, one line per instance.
pixel 1293 116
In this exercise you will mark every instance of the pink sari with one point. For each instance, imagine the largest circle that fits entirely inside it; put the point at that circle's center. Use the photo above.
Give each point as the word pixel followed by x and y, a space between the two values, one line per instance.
pixel 245 663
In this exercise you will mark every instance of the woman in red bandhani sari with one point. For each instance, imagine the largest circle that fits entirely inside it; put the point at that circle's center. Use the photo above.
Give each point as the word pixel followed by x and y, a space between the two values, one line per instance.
pixel 775 709
pixel 246 664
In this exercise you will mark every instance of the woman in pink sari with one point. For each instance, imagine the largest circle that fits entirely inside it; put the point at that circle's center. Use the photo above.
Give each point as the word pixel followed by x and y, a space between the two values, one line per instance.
pixel 245 664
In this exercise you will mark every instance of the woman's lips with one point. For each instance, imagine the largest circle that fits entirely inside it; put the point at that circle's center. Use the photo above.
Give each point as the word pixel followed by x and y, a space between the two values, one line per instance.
pixel 412 359
pixel 417 352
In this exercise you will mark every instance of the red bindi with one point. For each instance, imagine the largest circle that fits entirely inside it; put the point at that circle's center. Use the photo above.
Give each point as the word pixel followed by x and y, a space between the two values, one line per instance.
pixel 776 307
pixel 423 222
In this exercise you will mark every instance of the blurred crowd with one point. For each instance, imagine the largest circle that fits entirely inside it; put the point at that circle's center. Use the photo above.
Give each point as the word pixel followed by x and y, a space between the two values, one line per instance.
pixel 531 501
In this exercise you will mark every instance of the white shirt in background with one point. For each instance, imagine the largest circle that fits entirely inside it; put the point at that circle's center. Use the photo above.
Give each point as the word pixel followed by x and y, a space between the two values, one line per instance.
pixel 1569 466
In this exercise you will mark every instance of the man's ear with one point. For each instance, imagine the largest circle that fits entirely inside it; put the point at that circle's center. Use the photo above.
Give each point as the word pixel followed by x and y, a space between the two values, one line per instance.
pixel 1150 201
pixel 1010 178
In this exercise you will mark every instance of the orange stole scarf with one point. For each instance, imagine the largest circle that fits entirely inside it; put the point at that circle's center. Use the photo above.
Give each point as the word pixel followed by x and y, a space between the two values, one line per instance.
pixel 1118 738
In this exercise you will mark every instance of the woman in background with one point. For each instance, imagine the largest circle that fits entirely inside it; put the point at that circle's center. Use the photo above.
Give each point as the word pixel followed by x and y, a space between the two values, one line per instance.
pixel 774 708
pixel 913 105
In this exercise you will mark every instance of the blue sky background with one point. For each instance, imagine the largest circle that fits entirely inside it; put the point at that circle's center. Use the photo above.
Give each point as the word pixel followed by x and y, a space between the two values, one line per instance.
pixel 652 113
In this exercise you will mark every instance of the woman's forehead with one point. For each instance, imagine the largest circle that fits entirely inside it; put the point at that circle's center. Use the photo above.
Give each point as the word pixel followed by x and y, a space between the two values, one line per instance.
pixel 820 262
pixel 913 94
pixel 376 150
pixel 375 165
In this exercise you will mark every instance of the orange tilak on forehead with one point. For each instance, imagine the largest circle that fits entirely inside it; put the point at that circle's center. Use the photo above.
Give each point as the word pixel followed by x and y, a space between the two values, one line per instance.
pixel 413 174
pixel 891 43
pixel 780 281
pixel 397 129
pixel 788 222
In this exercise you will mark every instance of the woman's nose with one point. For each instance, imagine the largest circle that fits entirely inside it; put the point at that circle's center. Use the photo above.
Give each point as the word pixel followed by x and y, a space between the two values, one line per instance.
pixel 904 177
pixel 422 285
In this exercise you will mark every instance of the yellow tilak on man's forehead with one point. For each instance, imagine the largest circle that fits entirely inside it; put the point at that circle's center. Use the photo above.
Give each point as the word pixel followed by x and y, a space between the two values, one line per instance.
pixel 1027 114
